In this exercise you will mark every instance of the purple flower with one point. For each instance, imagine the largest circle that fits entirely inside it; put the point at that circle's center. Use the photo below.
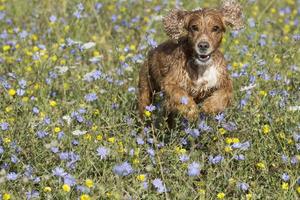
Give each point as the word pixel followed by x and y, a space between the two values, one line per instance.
pixel 12 176
pixel 64 155
pixel 284 158
pixel 204 127
pixel 123 169
pixel 82 189
pixel 35 110
pixel 158 184
pixel 140 141
pixel 251 22
pixel 184 100
pixel 242 186
pixel 194 169
pixel 239 157
pixel 145 185
pixel 102 152
pixel 285 177
pixel 92 76
pixel 91 97
pixel 296 37
pixel 98 6
pixel 20 92
pixel 52 18
pixel 4 126
pixel 150 108
pixel 41 134
pixel 54 149
pixel 184 158
pixel 216 159
pixel 296 137
pixel 14 159
pixel 230 126
pixel 58 171
pixel 193 132
pixel 32 194
pixel 151 152
pixel 1 150
pixel 294 160
pixel 243 146
pixel 69 180
pixel 220 117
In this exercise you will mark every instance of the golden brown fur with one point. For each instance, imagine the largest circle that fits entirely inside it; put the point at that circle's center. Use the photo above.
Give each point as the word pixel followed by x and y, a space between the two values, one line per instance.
pixel 190 66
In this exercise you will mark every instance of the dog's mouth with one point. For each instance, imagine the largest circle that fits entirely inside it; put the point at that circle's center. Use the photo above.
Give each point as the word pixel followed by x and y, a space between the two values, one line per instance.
pixel 203 57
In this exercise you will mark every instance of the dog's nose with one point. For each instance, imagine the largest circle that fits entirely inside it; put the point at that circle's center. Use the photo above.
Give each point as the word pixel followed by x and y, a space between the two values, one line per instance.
pixel 203 46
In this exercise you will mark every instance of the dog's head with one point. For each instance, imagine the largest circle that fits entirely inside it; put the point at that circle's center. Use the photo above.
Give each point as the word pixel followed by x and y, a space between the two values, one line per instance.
pixel 204 28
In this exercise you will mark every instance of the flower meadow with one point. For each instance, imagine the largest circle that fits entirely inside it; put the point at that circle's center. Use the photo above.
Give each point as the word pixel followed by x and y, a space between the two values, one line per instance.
pixel 69 128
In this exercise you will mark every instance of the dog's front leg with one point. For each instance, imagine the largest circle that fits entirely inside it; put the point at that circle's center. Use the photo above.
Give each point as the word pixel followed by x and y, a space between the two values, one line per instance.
pixel 178 100
pixel 219 100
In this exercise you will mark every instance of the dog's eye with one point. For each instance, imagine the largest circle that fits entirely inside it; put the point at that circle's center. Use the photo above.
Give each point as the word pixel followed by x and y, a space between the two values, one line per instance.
pixel 194 28
pixel 216 29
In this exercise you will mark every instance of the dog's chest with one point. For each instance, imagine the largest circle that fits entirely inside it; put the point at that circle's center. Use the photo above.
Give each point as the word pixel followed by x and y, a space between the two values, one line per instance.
pixel 205 81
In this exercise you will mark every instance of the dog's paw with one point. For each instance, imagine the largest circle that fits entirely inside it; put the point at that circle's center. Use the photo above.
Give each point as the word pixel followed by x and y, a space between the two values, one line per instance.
pixel 190 111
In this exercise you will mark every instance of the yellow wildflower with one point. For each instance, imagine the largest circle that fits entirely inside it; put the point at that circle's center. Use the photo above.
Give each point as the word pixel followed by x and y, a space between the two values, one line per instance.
pixel 285 186
pixel 141 177
pixel 248 196
pixel 147 113
pixel 89 183
pixel 220 195
pixel 85 197
pixel 261 166
pixel 262 93
pixel 66 188
pixel 222 131
pixel 12 92
pixel 99 137
pixel 47 189
pixel 6 140
pixel 298 189
pixel 6 47
pixel 52 103
pixel 6 196
pixel 266 129
pixel 112 139
pixel 228 149
pixel 201 191
pixel 57 129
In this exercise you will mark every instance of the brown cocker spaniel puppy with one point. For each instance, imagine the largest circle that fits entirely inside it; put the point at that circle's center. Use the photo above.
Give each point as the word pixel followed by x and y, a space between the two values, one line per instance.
pixel 189 68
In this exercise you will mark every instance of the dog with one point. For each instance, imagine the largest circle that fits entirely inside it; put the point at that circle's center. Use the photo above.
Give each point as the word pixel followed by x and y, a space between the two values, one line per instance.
pixel 189 68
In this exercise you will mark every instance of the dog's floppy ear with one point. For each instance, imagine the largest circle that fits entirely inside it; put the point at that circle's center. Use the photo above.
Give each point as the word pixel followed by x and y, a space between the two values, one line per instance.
pixel 232 14
pixel 174 23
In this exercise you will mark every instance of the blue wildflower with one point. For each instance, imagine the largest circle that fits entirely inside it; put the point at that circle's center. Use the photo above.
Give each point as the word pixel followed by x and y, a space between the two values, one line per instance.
pixel 41 134
pixel 194 169
pixel 285 177
pixel 12 176
pixel 216 159
pixel 58 171
pixel 123 169
pixel 243 186
pixel 150 108
pixel 4 126
pixel 140 141
pixel 239 157
pixel 102 152
pixel 159 185
pixel 184 100
pixel 91 97
pixel 69 180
